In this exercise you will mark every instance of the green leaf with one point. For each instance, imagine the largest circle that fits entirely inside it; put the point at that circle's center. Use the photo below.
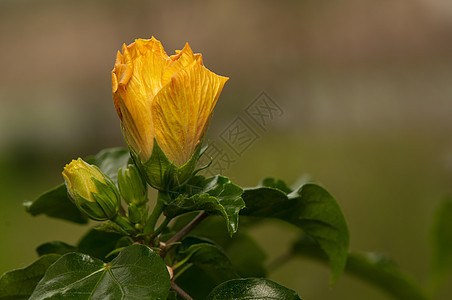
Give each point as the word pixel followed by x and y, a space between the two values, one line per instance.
pixel 55 247
pixel 205 265
pixel 442 242
pixel 310 208
pixel 197 283
pixel 110 161
pixel 207 256
pixel 246 256
pixel 136 273
pixel 276 183
pixel 252 288
pixel 57 204
pixel 98 243
pixel 371 267
pixel 20 283
pixel 216 195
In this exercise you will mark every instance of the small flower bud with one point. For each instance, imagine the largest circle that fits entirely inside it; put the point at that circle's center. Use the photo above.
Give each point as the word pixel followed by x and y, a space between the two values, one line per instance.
pixel 92 191
pixel 132 187
pixel 136 214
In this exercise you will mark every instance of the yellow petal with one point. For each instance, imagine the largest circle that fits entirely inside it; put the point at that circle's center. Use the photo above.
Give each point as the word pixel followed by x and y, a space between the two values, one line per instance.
pixel 120 74
pixel 182 109
pixel 182 59
pixel 78 176
pixel 198 57
pixel 136 79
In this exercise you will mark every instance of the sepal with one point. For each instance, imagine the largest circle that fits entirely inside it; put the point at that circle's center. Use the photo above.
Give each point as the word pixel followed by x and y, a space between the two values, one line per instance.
pixel 106 203
pixel 137 214
pixel 91 209
pixel 164 175
pixel 107 197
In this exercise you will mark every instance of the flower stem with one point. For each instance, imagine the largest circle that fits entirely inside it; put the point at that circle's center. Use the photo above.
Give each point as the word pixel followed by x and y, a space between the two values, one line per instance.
pixel 180 291
pixel 178 236
pixel 156 212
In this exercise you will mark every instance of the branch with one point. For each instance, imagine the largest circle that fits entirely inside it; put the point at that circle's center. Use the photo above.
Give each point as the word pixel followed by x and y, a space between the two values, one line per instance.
pixel 180 291
pixel 178 236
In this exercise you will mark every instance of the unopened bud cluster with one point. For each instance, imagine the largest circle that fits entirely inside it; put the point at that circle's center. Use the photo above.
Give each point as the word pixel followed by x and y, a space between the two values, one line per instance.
pixel 165 104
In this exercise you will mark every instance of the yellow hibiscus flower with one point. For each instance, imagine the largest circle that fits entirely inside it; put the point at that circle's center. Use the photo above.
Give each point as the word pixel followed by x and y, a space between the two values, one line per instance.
pixel 169 99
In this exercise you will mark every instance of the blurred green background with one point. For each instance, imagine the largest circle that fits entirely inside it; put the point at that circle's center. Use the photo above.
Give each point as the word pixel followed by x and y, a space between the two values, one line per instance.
pixel 365 87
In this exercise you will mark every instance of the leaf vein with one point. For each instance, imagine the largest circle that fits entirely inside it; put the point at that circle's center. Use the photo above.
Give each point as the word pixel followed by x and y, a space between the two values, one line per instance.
pixel 121 288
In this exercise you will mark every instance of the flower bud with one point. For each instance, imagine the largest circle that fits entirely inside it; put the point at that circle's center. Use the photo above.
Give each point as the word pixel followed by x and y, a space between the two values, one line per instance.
pixel 136 214
pixel 165 104
pixel 132 187
pixel 92 191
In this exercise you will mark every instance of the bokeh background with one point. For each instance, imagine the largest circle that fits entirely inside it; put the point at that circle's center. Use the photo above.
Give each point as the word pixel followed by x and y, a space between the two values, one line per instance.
pixel 365 87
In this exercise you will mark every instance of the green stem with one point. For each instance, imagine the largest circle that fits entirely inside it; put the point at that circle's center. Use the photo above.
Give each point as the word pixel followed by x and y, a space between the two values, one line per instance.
pixel 156 212
pixel 124 223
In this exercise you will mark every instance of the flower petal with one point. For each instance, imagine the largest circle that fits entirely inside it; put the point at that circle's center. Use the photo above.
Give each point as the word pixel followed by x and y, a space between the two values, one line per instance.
pixel 136 78
pixel 182 59
pixel 182 109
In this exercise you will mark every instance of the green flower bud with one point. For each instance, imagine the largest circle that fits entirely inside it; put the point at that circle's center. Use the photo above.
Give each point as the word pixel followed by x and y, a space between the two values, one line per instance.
pixel 136 213
pixel 132 186
pixel 92 191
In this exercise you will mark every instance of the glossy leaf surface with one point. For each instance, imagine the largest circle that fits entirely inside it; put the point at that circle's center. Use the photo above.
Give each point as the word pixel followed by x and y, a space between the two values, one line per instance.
pixel 136 273
pixel 216 195
pixel 310 208
pixel 20 283
pixel 98 243
pixel 55 247
pixel 252 288
pixel 205 266
pixel 56 204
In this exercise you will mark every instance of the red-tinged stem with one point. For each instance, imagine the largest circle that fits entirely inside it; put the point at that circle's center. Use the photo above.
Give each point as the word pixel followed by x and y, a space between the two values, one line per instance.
pixel 180 291
pixel 178 236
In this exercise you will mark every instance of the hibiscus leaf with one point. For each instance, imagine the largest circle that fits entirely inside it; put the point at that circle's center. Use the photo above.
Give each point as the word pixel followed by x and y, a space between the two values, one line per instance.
pixel 216 195
pixel 136 273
